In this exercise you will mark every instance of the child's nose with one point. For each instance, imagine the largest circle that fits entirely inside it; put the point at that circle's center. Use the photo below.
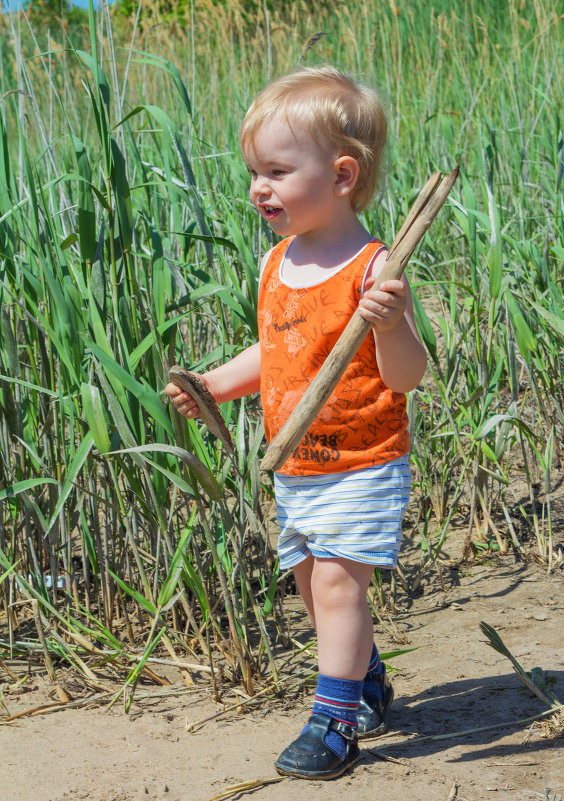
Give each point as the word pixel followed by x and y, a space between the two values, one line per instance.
pixel 262 186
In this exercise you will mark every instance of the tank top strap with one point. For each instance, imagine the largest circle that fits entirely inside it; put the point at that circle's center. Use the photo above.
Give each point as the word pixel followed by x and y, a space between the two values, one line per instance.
pixel 378 248
pixel 276 255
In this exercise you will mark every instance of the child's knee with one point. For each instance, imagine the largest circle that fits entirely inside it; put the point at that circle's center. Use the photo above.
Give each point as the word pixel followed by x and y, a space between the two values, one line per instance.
pixel 333 586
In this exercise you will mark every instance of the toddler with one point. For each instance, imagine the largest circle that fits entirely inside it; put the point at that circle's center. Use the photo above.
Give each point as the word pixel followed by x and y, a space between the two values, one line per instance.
pixel 313 142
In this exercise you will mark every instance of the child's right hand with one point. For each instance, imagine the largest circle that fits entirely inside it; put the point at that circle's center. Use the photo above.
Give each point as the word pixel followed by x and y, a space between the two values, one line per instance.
pixel 182 401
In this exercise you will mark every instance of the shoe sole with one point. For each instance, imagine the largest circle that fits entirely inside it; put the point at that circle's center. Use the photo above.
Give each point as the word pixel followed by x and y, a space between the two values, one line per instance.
pixel 319 776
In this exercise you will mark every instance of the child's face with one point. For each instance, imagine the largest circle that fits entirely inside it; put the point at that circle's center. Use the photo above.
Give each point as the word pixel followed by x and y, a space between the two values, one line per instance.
pixel 293 180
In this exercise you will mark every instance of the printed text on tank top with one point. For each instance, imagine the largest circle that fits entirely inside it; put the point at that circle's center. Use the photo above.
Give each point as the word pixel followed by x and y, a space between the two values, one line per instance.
pixel 363 422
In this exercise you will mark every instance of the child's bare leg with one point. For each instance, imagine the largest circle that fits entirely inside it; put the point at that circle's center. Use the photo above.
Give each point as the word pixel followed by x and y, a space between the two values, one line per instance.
pixel 344 636
pixel 302 574
pixel 335 591
pixel 343 620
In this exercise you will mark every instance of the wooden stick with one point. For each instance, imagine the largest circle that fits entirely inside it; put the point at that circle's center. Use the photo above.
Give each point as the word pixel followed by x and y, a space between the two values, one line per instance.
pixel 426 207
pixel 420 201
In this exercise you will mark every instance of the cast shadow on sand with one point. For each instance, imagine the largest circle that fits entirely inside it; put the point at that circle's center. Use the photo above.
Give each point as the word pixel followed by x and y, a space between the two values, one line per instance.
pixel 461 705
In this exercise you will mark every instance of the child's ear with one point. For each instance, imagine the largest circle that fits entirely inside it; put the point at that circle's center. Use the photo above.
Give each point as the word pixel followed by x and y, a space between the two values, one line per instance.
pixel 346 175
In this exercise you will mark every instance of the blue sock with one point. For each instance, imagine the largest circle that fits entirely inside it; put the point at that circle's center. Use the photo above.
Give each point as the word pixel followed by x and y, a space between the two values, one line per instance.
pixel 372 685
pixel 338 698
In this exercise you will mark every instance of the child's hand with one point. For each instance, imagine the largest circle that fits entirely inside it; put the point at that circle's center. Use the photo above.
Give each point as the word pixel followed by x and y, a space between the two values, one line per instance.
pixel 384 306
pixel 182 401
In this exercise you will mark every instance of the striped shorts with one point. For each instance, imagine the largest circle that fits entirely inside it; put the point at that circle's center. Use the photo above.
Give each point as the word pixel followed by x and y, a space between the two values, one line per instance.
pixel 355 515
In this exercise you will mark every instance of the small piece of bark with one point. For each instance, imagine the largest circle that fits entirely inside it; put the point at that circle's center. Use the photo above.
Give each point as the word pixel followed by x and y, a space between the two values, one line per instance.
pixel 209 411
pixel 453 792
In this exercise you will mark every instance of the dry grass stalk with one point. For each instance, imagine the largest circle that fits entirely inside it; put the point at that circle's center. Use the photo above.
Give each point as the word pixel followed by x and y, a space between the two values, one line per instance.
pixel 466 732
pixel 453 792
pixel 265 694
pixel 8 670
pixel 92 700
pixel 249 785
pixel 43 641
pixel 313 40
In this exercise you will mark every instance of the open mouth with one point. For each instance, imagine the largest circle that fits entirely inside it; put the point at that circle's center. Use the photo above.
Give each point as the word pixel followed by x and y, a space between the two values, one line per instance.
pixel 270 212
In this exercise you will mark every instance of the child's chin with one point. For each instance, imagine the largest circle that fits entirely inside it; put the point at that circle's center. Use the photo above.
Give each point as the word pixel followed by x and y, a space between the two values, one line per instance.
pixel 280 227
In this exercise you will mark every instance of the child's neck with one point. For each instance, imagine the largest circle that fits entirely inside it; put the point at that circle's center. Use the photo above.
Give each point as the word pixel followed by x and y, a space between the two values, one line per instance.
pixel 332 246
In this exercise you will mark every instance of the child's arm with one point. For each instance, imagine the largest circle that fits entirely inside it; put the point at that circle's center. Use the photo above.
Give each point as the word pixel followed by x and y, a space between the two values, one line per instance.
pixel 237 377
pixel 389 309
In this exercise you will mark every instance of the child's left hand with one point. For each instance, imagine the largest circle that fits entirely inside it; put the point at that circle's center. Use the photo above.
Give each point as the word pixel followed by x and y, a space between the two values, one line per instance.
pixel 384 306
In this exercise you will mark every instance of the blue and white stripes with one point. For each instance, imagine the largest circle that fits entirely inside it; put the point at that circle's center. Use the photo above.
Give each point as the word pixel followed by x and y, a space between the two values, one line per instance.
pixel 344 711
pixel 355 515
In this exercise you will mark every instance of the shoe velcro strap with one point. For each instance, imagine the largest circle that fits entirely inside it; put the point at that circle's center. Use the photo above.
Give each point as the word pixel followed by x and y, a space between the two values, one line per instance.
pixel 346 730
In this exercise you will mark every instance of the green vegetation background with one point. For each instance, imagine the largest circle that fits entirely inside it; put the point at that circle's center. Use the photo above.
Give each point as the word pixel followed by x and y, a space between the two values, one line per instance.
pixel 127 242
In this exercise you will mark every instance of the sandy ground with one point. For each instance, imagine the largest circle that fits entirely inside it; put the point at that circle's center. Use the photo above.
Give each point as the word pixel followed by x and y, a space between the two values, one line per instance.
pixel 452 683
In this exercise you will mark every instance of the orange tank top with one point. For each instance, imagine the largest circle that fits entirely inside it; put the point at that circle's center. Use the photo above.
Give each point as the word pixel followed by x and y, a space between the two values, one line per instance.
pixel 363 423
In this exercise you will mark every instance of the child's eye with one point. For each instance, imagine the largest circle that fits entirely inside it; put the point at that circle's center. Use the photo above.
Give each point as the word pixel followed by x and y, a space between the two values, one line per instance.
pixel 252 173
pixel 277 173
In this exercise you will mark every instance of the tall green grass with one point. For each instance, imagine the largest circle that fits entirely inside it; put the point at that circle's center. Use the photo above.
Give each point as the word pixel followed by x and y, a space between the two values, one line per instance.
pixel 127 243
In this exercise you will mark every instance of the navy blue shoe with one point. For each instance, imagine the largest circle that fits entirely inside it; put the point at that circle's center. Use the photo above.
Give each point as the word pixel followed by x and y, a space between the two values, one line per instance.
pixel 309 757
pixel 373 711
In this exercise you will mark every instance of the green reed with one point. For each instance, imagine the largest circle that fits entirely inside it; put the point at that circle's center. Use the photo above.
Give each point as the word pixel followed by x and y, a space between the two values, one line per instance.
pixel 127 243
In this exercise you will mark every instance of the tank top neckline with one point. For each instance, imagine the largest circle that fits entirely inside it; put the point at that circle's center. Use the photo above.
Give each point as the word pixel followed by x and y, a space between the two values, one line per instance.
pixel 334 271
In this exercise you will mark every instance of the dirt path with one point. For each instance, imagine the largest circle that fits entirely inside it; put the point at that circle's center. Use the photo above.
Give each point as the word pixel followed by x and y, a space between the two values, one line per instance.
pixel 452 683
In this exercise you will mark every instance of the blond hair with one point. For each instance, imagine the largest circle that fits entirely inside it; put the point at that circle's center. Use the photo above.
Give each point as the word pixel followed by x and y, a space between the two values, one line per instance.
pixel 333 109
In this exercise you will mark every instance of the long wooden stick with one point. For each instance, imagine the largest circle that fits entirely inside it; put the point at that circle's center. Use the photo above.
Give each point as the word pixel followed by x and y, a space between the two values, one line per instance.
pixel 422 214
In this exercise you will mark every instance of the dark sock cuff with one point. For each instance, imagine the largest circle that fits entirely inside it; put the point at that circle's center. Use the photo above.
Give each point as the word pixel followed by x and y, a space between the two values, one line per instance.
pixel 338 698
pixel 375 666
